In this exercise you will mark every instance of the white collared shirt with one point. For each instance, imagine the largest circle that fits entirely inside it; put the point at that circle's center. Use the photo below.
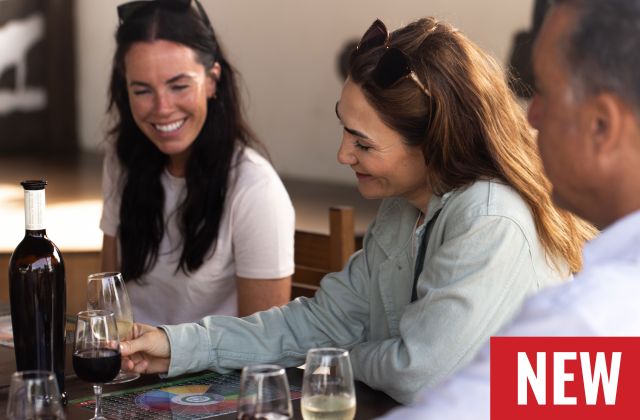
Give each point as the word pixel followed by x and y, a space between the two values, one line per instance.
pixel 601 301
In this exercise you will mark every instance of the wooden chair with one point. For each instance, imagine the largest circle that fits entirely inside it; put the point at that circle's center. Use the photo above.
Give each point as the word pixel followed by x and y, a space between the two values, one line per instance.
pixel 317 254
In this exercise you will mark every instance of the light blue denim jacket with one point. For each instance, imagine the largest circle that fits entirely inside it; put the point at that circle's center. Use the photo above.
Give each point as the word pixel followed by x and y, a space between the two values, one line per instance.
pixel 483 257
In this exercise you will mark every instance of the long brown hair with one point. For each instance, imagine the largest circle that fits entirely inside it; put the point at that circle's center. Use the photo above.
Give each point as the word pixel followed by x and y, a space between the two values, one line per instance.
pixel 470 127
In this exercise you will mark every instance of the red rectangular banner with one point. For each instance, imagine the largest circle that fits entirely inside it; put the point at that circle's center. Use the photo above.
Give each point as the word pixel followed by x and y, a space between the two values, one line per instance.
pixel 565 378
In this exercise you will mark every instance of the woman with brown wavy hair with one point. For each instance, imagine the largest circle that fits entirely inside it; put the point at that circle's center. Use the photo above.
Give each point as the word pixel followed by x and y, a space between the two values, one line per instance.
pixel 465 231
pixel 468 125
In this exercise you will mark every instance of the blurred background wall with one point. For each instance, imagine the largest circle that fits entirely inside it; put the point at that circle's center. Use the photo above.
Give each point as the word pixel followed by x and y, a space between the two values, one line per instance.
pixel 286 52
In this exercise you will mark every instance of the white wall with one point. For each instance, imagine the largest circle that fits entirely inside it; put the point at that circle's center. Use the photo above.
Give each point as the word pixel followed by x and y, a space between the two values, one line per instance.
pixel 286 52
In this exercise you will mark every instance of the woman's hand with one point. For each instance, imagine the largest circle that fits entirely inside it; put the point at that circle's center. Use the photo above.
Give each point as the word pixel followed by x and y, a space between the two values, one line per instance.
pixel 148 352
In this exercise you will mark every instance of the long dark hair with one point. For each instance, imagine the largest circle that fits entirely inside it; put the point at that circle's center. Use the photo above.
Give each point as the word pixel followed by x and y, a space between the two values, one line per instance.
pixel 470 127
pixel 207 170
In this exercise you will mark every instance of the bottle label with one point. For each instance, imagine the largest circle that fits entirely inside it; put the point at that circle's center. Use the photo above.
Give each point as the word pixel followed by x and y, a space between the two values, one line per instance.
pixel 34 209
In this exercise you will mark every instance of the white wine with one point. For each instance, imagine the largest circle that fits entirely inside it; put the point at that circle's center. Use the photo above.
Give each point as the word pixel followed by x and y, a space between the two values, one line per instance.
pixel 324 407
pixel 125 329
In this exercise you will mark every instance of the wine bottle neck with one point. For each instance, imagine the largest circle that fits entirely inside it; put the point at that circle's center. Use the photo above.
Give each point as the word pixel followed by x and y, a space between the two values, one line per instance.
pixel 34 203
pixel 41 233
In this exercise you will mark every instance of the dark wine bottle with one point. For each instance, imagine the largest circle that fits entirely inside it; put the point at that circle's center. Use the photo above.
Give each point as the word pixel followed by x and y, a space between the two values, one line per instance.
pixel 37 292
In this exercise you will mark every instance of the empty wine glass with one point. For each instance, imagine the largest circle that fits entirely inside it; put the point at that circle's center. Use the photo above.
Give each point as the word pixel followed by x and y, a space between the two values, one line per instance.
pixel 264 393
pixel 107 291
pixel 34 395
pixel 327 386
pixel 96 351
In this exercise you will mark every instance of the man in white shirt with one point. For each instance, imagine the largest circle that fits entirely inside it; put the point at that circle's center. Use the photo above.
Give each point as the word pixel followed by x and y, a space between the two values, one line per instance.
pixel 587 112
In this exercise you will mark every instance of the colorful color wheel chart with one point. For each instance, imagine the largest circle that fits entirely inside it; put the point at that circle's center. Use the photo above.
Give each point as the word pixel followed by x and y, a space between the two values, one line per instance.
pixel 186 400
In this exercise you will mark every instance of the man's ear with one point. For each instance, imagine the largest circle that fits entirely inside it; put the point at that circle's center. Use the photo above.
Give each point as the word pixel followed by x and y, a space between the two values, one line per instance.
pixel 605 126
pixel 212 80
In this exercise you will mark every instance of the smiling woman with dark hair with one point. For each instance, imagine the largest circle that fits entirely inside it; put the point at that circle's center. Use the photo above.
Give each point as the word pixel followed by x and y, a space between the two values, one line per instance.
pixel 197 221
pixel 466 229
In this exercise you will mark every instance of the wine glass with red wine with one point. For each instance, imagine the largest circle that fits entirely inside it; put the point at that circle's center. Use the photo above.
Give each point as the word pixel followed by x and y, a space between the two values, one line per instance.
pixel 96 351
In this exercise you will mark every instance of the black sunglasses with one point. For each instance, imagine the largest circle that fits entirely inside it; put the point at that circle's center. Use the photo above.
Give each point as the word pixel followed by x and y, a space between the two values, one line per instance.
pixel 394 65
pixel 127 10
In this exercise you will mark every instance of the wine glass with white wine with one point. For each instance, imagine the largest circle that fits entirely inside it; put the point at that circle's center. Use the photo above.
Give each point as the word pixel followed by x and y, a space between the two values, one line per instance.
pixel 107 291
pixel 328 391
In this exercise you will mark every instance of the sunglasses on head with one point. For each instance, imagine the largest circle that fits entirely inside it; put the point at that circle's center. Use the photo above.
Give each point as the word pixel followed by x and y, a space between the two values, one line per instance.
pixel 127 10
pixel 394 65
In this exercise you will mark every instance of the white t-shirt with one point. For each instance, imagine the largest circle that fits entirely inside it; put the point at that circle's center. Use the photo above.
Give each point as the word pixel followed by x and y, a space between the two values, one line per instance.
pixel 255 240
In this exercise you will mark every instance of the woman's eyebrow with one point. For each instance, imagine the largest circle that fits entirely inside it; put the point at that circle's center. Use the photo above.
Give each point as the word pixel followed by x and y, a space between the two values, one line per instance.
pixel 173 79
pixel 136 83
pixel 179 77
pixel 350 130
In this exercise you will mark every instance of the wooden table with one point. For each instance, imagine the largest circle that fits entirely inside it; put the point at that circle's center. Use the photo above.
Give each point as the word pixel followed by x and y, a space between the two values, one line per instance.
pixel 370 403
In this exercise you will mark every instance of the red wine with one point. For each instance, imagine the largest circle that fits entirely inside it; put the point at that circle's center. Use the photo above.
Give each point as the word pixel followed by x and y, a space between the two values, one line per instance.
pixel 96 365
pixel 37 292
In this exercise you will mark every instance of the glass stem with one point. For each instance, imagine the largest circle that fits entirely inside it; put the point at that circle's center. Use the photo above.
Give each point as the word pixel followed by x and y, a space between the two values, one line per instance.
pixel 97 390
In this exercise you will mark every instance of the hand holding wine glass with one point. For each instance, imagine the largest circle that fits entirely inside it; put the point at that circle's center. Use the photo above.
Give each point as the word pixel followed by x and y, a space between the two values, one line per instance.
pixel 148 352
pixel 107 291
pixel 328 391
pixel 96 351
pixel 264 393
pixel 34 394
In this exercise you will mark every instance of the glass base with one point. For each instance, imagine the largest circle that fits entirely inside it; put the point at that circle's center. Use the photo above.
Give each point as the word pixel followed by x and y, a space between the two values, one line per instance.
pixel 124 377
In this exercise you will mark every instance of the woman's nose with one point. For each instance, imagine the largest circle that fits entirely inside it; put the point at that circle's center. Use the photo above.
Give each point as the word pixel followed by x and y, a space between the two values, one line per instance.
pixel 345 153
pixel 163 104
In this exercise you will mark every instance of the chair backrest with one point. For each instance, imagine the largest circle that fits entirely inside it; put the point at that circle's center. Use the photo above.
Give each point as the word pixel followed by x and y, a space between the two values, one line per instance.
pixel 317 254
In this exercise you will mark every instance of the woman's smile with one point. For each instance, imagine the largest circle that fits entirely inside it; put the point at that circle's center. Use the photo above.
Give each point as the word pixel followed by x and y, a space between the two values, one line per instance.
pixel 169 128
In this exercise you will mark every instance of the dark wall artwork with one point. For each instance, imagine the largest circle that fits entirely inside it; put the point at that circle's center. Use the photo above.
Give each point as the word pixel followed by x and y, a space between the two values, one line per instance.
pixel 37 78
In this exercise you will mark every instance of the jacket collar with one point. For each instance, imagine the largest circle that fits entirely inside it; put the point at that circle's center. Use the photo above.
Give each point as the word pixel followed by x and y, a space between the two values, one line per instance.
pixel 393 229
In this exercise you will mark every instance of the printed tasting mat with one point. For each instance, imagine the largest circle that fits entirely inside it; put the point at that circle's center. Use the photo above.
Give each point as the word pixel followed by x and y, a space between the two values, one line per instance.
pixel 205 396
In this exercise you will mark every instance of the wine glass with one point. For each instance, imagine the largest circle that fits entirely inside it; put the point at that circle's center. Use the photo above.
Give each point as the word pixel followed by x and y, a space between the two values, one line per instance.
pixel 264 393
pixel 327 385
pixel 107 291
pixel 96 351
pixel 34 394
